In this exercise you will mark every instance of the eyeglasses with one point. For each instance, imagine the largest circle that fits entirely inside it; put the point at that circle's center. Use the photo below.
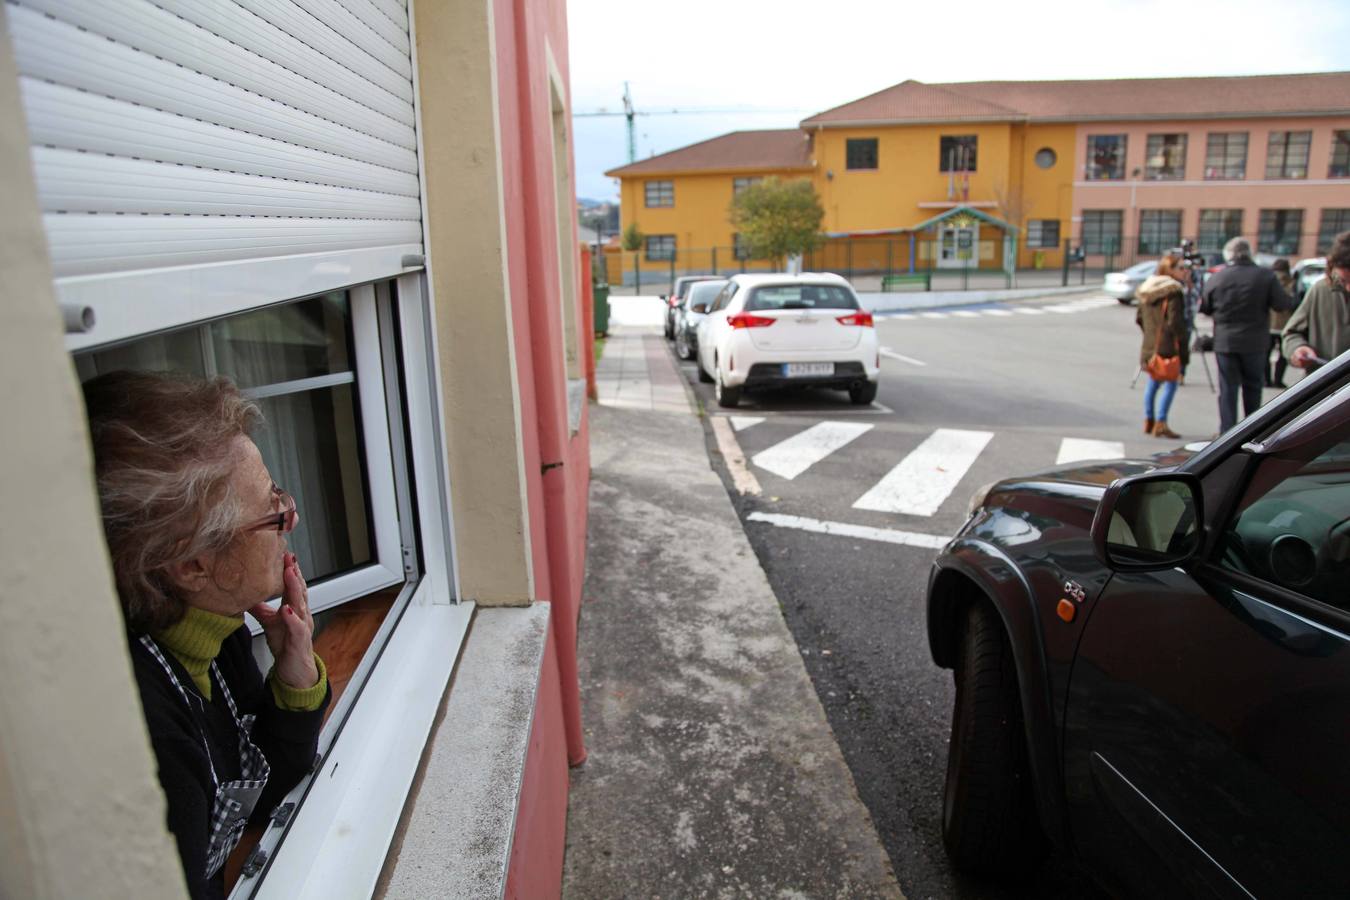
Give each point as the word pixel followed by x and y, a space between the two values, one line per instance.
pixel 282 521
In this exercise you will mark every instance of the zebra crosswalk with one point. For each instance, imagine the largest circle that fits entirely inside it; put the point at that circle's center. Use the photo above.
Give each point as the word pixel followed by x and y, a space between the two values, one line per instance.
pixel 919 483
pixel 1065 308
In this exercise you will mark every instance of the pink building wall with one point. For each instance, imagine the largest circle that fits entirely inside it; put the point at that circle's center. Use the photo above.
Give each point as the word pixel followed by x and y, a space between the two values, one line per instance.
pixel 528 33
pixel 1193 193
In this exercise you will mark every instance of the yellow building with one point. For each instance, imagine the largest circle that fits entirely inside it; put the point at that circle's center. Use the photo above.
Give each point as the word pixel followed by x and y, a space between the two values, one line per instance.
pixel 1004 174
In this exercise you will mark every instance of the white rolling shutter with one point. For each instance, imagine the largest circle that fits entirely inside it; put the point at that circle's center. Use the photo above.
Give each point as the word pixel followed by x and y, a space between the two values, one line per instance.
pixel 273 140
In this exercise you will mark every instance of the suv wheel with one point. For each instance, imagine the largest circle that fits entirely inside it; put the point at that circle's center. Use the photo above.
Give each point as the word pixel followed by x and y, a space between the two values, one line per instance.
pixel 703 375
pixel 989 821
pixel 682 345
pixel 727 397
pixel 862 393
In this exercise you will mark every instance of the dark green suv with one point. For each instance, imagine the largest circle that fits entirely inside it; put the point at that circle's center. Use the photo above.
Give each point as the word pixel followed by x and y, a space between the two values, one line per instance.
pixel 1152 663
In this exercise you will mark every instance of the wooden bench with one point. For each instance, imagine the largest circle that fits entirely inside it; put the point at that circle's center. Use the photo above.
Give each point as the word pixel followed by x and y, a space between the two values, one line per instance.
pixel 897 282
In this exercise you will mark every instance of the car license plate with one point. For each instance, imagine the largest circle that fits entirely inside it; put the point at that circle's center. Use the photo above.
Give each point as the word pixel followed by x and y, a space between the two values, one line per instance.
pixel 802 370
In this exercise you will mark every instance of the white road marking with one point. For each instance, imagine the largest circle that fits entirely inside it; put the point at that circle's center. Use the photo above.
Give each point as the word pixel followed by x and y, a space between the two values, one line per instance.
pixel 1074 449
pixel 1028 310
pixel 740 423
pixel 966 314
pixel 997 312
pixel 932 315
pixel 891 354
pixel 928 475
pixel 741 477
pixel 843 529
pixel 792 457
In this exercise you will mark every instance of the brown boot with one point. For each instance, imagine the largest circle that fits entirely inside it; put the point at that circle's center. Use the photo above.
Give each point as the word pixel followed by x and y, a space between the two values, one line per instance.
pixel 1161 430
pixel 1148 426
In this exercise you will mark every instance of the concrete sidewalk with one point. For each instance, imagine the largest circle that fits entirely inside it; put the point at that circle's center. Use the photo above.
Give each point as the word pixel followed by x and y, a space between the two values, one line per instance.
pixel 712 770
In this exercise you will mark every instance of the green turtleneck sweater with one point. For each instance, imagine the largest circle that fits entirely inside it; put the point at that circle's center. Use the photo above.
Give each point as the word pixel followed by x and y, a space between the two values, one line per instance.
pixel 195 641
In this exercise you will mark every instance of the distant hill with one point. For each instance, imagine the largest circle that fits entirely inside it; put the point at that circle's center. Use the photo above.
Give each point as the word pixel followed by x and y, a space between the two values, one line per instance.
pixel 588 203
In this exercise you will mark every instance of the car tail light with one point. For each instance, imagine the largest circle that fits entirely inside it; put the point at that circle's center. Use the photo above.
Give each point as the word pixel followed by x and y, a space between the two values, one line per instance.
pixel 745 320
pixel 861 317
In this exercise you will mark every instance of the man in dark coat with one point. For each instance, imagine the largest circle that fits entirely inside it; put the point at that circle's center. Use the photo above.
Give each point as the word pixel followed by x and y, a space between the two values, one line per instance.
pixel 1240 297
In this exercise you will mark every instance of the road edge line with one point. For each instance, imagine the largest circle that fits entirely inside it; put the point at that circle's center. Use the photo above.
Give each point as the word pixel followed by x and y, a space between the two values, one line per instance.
pixel 741 476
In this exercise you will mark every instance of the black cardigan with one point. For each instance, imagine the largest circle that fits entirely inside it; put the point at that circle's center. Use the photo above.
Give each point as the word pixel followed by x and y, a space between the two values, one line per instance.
pixel 289 740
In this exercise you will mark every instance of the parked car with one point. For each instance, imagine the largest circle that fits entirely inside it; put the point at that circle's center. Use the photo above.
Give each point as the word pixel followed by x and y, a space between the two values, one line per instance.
pixel 773 331
pixel 1122 285
pixel 1308 272
pixel 1152 663
pixel 677 295
pixel 692 310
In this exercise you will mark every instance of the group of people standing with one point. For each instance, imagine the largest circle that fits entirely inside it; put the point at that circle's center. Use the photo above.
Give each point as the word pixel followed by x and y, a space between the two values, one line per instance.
pixel 1254 312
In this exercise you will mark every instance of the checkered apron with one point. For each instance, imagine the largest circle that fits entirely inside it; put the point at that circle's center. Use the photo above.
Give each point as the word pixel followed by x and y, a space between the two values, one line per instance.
pixel 235 800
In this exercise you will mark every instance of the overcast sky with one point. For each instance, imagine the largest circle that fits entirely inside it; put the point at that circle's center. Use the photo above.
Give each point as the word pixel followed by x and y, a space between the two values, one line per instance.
pixel 778 62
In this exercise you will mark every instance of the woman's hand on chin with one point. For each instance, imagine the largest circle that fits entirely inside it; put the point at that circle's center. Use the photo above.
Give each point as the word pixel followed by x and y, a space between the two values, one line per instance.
pixel 290 629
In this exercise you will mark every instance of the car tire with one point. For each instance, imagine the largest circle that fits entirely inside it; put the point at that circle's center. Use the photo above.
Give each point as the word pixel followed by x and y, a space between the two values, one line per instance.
pixel 1125 301
pixel 703 376
pixel 682 346
pixel 727 397
pixel 670 333
pixel 862 393
pixel 989 821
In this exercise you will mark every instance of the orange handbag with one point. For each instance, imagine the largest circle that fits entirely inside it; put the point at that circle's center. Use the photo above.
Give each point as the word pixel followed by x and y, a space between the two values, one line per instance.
pixel 1163 368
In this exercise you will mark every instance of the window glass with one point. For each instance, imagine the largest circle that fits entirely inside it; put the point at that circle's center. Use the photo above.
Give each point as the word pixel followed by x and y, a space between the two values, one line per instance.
pixel 1292 527
pixel 1042 233
pixel 1105 157
pixel 957 153
pixel 1287 154
pixel 660 193
pixel 801 296
pixel 1226 155
pixel 660 247
pixel 724 298
pixel 1340 155
pixel 1101 230
pixel 740 247
pixel 1159 230
pixel 1165 157
pixel 740 184
pixel 1217 226
pixel 860 153
pixel 1279 231
pixel 296 362
pixel 704 292
pixel 1334 221
pixel 1045 158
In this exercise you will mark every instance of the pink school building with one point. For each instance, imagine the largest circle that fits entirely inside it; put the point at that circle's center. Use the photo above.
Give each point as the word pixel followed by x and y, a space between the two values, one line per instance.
pixel 362 211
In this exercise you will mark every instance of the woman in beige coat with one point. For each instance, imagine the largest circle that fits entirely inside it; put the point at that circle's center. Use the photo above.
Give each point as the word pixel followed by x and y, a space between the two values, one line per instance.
pixel 1162 319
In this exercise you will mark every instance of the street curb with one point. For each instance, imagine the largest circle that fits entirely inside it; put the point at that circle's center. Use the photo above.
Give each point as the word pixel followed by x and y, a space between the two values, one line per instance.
pixel 919 300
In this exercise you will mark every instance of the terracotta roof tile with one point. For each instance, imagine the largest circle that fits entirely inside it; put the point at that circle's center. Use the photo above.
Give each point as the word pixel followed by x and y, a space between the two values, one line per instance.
pixel 1129 98
pixel 786 148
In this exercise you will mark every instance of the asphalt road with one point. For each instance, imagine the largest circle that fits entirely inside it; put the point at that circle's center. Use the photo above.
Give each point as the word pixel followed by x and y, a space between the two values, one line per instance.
pixel 856 606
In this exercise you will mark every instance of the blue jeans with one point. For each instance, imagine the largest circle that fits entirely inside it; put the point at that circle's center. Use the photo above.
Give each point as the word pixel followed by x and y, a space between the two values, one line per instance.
pixel 1169 390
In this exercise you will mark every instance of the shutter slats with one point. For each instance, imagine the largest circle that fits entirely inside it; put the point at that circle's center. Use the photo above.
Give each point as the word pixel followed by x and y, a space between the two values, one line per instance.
pixel 73 182
pixel 66 55
pixel 64 117
pixel 158 33
pixel 394 10
pixel 335 15
pixel 378 21
pixel 88 244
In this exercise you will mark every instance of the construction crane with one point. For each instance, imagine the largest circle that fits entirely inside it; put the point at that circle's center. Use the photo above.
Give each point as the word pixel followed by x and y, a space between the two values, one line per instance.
pixel 630 114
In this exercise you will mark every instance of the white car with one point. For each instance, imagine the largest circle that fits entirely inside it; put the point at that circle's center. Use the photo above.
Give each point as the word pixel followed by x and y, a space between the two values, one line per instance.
pixel 774 331
pixel 1122 285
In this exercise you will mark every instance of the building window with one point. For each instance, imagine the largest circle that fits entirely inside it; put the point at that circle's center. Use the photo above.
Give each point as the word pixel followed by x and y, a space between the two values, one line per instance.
pixel 1279 231
pixel 740 184
pixel 740 248
pixel 1045 158
pixel 1101 230
pixel 1159 230
pixel 660 193
pixel 1042 233
pixel 860 153
pixel 1226 156
pixel 1340 155
pixel 1106 157
pixel 957 153
pixel 660 247
pixel 1165 159
pixel 1287 154
pixel 1334 221
pixel 1218 227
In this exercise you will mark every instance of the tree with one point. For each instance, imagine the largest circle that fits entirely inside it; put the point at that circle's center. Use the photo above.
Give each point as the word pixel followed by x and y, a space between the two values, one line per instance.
pixel 778 218
pixel 633 238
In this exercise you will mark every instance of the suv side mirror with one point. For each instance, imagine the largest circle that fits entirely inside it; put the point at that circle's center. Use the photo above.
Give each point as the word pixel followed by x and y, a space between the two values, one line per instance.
pixel 1149 522
pixel 699 308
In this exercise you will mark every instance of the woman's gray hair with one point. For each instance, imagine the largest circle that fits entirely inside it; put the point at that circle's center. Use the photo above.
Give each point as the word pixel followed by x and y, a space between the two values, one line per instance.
pixel 1237 248
pixel 164 452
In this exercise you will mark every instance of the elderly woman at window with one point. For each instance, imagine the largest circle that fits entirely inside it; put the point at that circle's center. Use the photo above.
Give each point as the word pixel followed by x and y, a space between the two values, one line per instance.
pixel 197 532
